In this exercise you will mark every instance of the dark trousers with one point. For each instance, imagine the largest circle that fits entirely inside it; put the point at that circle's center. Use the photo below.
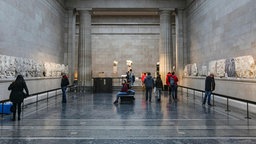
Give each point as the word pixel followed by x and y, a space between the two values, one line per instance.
pixel 148 93
pixel 174 90
pixel 19 110
pixel 64 97
pixel 207 94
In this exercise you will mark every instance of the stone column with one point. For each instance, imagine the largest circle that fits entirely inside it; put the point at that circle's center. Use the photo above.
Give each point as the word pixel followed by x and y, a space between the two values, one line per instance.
pixel 179 43
pixel 165 44
pixel 71 43
pixel 85 52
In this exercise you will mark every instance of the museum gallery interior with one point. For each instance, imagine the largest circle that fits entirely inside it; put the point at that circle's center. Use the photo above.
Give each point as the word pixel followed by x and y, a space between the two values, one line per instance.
pixel 96 42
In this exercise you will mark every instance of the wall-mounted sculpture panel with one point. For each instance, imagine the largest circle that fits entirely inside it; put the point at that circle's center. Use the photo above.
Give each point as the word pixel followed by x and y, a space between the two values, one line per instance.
pixel 245 67
pixel 220 68
pixel 10 67
pixel 242 67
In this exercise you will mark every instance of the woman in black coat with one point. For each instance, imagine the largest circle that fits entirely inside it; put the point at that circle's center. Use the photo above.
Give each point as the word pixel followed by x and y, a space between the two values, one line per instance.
pixel 159 87
pixel 17 95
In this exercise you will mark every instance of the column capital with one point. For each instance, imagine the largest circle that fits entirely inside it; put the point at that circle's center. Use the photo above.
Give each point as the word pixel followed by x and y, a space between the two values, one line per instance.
pixel 72 11
pixel 178 10
pixel 84 9
pixel 85 12
pixel 166 11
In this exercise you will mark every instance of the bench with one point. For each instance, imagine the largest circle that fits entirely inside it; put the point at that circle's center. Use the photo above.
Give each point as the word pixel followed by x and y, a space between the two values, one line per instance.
pixel 127 99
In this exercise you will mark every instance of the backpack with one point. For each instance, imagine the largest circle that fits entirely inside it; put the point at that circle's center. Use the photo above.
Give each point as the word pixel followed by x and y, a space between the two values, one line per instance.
pixel 172 81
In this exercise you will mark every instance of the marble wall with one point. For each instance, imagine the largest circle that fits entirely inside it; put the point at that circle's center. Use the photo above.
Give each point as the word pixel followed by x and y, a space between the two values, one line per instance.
pixel 32 29
pixel 31 35
pixel 220 29
pixel 34 85
pixel 238 88
pixel 221 37
pixel 122 38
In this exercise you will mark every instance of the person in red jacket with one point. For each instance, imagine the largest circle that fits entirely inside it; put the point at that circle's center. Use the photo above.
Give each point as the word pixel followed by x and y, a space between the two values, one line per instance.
pixel 168 81
pixel 143 76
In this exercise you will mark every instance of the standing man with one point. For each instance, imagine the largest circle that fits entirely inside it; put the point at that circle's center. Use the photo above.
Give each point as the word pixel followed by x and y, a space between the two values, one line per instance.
pixel 167 80
pixel 159 87
pixel 149 84
pixel 209 87
pixel 64 84
pixel 174 86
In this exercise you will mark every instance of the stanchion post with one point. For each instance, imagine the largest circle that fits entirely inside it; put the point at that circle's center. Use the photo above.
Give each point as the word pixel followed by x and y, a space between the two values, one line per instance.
pixel 213 101
pixel 227 105
pixel 248 117
pixel 2 109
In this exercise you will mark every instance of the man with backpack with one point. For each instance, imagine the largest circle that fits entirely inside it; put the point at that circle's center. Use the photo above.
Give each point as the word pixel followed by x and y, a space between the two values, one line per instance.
pixel 149 84
pixel 173 79
pixel 167 79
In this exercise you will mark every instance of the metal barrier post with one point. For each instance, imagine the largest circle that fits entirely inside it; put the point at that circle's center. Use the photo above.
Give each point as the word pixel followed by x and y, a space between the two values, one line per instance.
pixel 187 92
pixel 227 105
pixel 56 96
pixel 47 96
pixel 36 101
pixel 247 112
pixel 194 94
pixel 2 109
pixel 213 101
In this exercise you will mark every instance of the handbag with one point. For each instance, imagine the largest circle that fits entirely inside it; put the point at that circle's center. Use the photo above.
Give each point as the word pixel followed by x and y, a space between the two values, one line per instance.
pixel 154 89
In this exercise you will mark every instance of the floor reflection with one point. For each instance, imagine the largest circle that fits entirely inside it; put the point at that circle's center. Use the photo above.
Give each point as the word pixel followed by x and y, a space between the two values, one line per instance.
pixel 93 118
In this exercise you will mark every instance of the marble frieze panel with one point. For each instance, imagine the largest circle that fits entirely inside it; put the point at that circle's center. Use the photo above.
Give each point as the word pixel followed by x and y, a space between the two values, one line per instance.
pixel 194 71
pixel 241 67
pixel 213 67
pixel 245 67
pixel 11 66
pixel 230 69
pixel 220 68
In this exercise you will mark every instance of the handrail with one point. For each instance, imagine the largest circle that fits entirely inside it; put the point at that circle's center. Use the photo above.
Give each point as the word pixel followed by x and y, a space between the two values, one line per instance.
pixel 227 97
pixel 34 94
pixel 221 95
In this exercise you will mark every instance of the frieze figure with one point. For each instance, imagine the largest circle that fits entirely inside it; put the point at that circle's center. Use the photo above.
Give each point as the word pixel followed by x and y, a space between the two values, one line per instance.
pixel 230 67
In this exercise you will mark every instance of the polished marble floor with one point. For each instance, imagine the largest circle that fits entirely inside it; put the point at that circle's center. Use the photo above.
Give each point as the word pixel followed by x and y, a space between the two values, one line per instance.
pixel 89 118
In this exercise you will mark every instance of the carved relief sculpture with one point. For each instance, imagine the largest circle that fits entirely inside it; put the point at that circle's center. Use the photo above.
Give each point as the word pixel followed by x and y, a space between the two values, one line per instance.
pixel 212 67
pixel 230 68
pixel 220 68
pixel 11 66
pixel 244 66
pixel 194 71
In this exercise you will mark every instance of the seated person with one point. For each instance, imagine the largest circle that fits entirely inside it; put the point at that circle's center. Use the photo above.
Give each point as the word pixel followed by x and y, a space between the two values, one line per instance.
pixel 124 91
pixel 130 92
